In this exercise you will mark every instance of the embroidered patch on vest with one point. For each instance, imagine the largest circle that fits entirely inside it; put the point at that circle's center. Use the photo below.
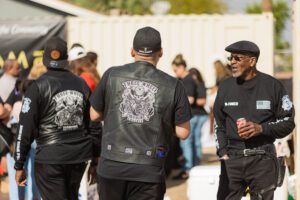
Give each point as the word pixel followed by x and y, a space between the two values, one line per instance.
pixel 128 150
pixel 138 99
pixel 149 153
pixel 109 147
pixel 69 109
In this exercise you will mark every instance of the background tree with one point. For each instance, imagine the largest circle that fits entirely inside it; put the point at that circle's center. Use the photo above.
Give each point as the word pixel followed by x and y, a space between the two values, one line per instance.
pixel 142 7
pixel 131 7
pixel 281 12
pixel 197 6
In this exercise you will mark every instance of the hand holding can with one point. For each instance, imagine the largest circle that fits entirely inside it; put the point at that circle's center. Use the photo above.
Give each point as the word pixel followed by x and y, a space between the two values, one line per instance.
pixel 240 122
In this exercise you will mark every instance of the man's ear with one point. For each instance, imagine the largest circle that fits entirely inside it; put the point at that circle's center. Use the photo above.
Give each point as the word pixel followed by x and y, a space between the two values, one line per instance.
pixel 253 61
pixel 133 53
pixel 160 53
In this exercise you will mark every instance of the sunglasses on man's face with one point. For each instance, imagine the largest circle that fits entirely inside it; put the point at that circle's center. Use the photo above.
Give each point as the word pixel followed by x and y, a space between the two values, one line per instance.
pixel 236 57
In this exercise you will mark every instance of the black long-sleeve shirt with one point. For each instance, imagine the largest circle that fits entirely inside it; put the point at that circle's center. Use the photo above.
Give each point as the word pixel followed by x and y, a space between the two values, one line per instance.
pixel 262 100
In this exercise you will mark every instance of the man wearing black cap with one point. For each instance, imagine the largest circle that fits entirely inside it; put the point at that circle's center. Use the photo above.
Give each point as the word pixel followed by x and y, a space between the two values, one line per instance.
pixel 142 108
pixel 55 113
pixel 251 110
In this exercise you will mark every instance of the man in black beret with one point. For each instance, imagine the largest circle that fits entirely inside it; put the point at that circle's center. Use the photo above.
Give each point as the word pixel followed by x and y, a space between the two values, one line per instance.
pixel 251 110
pixel 142 108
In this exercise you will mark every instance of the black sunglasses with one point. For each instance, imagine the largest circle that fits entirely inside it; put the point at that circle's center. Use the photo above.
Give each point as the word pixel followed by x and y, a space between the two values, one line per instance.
pixel 236 57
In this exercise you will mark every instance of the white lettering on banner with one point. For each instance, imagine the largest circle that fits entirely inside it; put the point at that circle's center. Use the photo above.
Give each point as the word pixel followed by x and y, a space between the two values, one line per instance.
pixel 21 29
pixel 4 30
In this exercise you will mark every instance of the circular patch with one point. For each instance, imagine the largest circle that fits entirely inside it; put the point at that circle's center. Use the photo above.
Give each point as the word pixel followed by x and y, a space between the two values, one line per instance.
pixel 55 54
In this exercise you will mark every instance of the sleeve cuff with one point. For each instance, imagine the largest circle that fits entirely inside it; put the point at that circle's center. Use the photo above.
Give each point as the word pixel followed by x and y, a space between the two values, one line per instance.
pixel 222 152
pixel 265 130
pixel 19 166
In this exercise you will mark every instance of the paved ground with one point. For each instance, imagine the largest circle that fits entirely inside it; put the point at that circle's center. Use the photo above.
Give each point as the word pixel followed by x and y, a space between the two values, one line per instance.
pixel 4 190
pixel 176 190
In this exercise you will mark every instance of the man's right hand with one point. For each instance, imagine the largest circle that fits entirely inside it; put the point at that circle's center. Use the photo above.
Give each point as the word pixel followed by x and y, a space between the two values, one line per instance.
pixel 225 157
pixel 21 178
pixel 92 174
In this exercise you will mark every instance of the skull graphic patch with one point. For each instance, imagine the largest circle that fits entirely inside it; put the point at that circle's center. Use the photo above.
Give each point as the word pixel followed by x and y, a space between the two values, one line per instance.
pixel 69 109
pixel 138 99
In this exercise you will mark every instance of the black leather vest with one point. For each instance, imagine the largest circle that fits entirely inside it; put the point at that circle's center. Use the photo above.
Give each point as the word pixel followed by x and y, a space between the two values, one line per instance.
pixel 139 114
pixel 63 107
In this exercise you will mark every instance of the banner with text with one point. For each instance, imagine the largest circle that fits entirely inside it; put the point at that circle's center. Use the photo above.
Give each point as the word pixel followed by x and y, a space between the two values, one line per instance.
pixel 24 39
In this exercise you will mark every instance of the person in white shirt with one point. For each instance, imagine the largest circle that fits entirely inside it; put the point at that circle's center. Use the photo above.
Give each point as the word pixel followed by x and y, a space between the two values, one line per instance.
pixel 7 81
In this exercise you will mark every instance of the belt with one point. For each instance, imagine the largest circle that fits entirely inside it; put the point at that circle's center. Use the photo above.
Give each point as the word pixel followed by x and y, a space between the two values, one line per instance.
pixel 262 150
pixel 250 152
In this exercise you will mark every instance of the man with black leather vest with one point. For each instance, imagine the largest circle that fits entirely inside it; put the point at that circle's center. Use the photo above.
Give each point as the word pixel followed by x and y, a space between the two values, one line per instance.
pixel 251 110
pixel 142 108
pixel 55 113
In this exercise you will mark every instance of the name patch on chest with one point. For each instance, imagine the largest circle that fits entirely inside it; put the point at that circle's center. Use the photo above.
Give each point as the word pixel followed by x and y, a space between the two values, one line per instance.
pixel 263 104
pixel 231 104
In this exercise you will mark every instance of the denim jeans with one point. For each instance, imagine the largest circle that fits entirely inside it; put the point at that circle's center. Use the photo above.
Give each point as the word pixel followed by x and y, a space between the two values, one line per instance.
pixel 191 147
pixel 30 191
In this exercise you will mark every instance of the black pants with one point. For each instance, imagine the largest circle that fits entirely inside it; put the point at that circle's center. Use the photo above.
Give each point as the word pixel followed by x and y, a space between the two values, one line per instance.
pixel 111 189
pixel 223 189
pixel 258 172
pixel 59 181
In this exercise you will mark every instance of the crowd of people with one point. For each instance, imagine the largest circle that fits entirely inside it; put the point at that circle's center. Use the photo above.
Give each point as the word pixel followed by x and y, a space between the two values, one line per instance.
pixel 150 120
pixel 13 88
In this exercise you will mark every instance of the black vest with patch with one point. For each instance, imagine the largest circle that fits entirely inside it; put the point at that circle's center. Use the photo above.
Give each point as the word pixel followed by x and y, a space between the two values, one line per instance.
pixel 139 114
pixel 62 107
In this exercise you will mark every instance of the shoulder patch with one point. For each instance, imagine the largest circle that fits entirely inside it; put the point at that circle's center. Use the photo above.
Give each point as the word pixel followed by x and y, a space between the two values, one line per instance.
pixel 286 103
pixel 26 105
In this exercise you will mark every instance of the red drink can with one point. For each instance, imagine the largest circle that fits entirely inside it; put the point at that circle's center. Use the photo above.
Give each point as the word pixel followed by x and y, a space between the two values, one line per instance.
pixel 240 122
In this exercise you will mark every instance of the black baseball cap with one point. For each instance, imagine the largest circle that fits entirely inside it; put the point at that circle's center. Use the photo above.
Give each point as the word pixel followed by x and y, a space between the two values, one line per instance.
pixel 55 53
pixel 147 41
pixel 244 47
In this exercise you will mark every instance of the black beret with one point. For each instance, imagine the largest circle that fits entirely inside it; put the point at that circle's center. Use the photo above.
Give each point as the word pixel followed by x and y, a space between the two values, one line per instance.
pixel 243 47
